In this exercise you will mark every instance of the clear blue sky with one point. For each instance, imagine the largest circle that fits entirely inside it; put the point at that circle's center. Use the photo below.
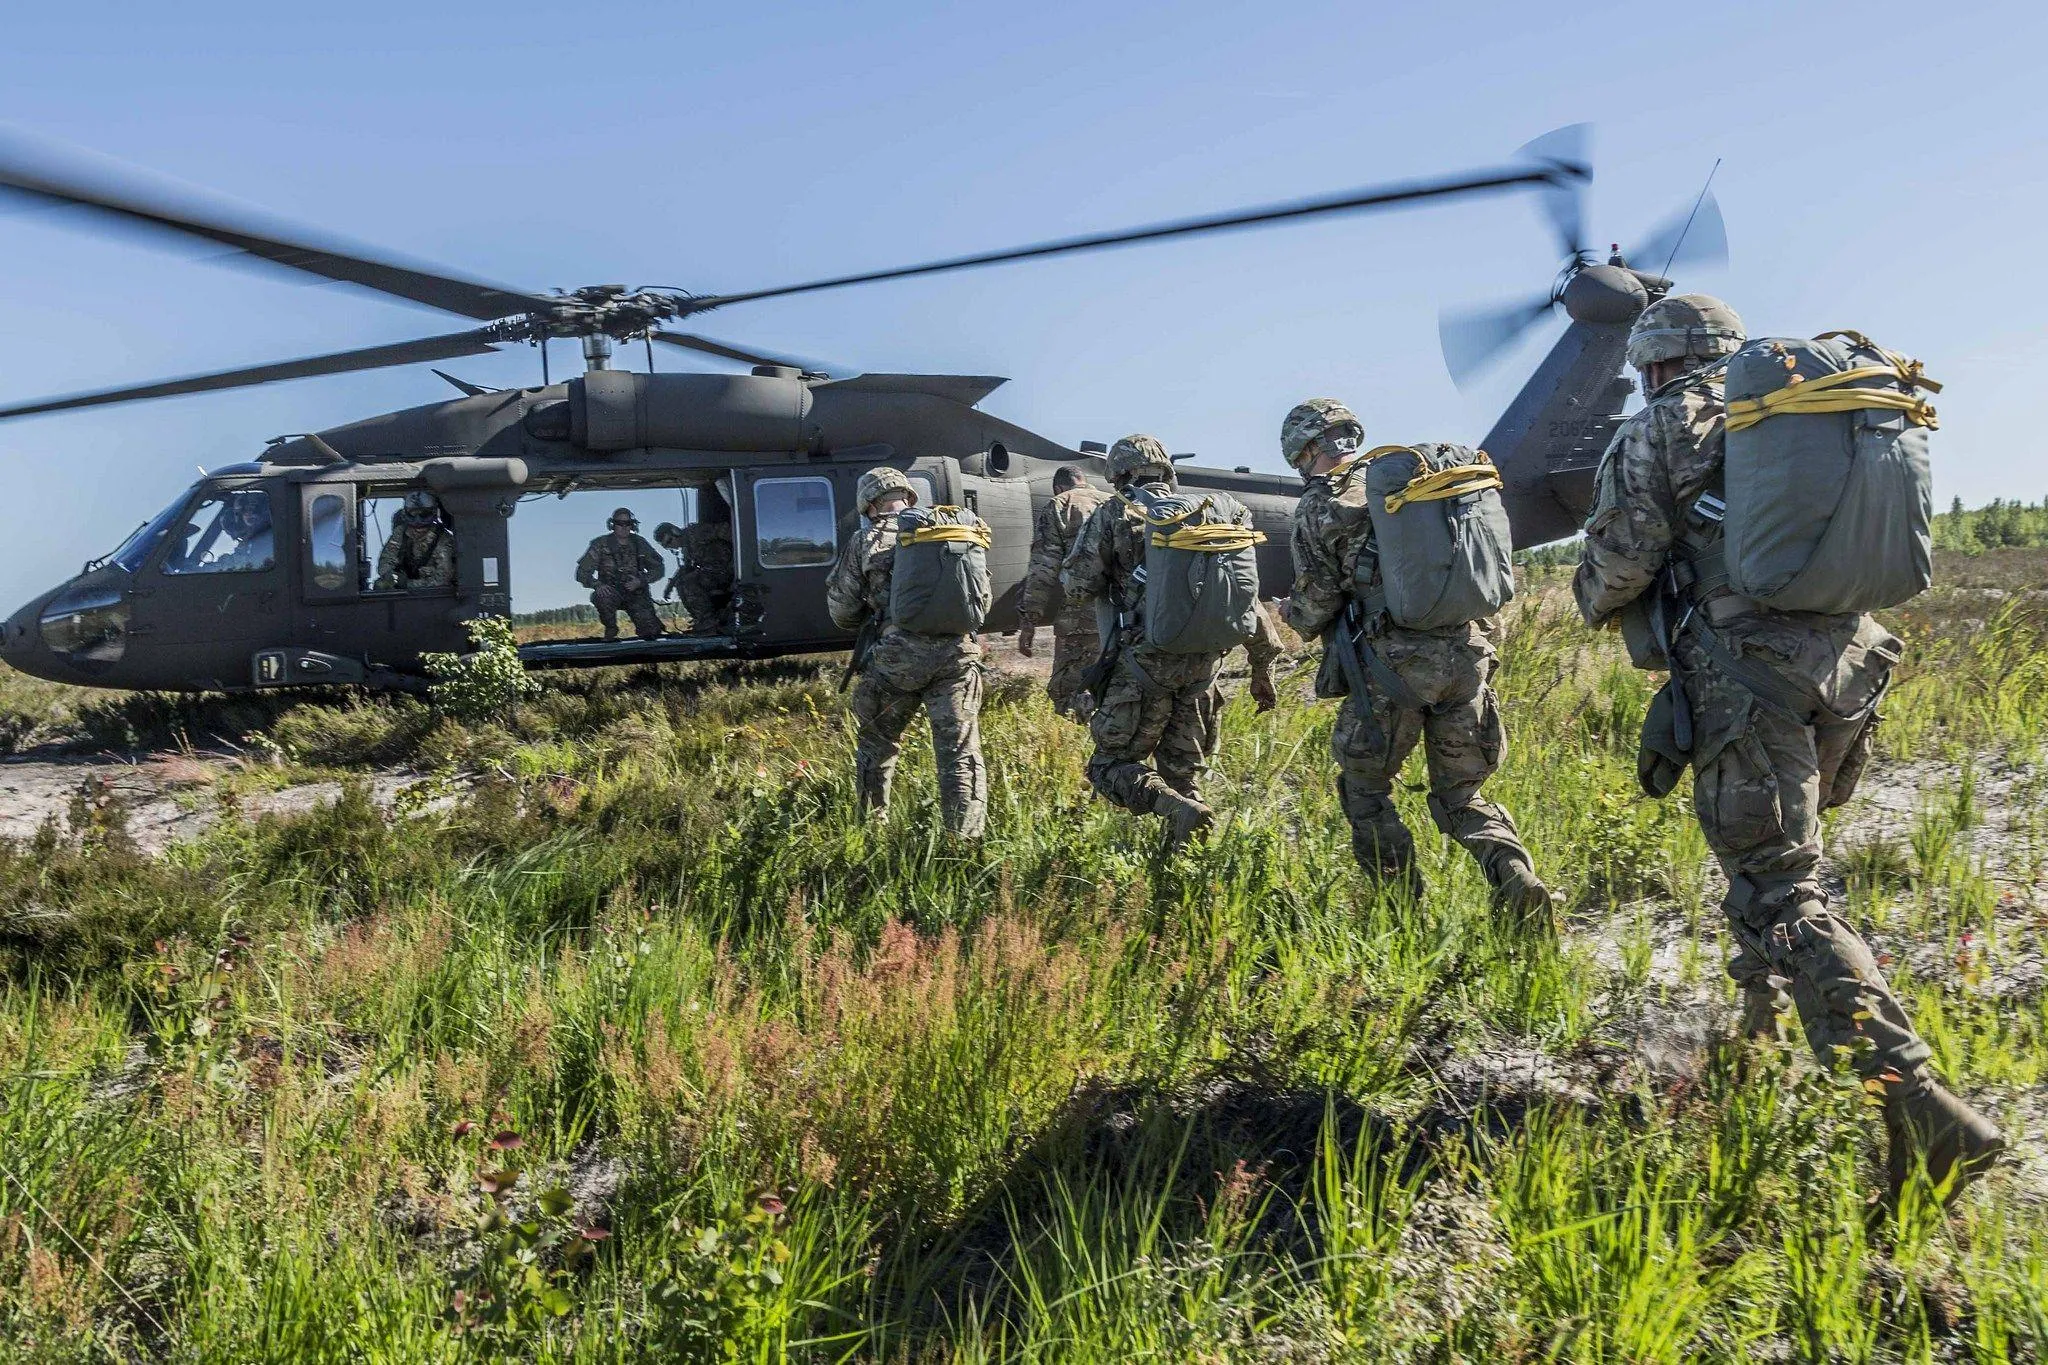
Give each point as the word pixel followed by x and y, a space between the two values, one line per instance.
pixel 1885 167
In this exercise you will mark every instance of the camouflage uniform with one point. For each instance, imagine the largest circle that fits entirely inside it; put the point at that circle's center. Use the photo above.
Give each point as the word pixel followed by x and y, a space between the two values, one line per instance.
pixel 618 574
pixel 1762 776
pixel 1075 643
pixel 905 671
pixel 1450 670
pixel 420 554
pixel 1157 706
pixel 703 579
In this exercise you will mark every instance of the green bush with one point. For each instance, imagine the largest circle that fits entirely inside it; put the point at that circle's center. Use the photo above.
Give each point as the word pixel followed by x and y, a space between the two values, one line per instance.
pixel 486 683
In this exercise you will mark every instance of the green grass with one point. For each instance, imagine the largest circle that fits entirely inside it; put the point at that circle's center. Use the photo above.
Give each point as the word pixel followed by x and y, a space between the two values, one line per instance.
pixel 839 1090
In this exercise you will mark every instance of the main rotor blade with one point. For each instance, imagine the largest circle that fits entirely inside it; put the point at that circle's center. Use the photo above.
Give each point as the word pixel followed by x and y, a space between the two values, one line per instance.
pixel 39 170
pixel 1695 235
pixel 1352 201
pixel 692 342
pixel 1564 201
pixel 368 358
pixel 1472 338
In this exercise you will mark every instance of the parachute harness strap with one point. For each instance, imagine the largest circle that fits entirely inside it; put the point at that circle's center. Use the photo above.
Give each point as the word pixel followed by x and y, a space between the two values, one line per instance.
pixel 1210 538
pixel 941 533
pixel 1833 392
pixel 1207 537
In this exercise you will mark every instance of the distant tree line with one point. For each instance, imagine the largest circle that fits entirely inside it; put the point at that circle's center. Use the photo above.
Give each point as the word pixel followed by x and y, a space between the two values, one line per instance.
pixel 2001 524
pixel 583 614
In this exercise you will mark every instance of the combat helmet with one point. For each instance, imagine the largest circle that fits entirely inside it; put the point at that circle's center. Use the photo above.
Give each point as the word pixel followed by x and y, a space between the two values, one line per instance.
pixel 1697 326
pixel 1309 422
pixel 421 509
pixel 1135 454
pixel 879 483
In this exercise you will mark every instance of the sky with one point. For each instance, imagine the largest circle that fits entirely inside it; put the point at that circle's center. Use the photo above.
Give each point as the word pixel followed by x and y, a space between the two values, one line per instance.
pixel 1884 166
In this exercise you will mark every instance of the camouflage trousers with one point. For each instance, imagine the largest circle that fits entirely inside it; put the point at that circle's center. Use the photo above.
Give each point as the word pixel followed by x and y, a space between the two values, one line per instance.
pixel 942 675
pixel 1075 648
pixel 707 597
pixel 637 604
pixel 1761 778
pixel 1157 707
pixel 1462 743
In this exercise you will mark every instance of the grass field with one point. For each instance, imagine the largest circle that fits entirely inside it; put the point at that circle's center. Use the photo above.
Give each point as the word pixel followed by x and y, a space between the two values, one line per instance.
pixel 648 1047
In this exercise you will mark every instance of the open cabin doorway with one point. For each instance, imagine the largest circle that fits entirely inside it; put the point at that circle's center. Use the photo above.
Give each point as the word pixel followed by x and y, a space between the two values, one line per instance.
pixel 554 615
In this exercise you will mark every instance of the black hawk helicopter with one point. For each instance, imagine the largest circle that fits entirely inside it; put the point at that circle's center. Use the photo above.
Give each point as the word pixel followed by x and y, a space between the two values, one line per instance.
pixel 261 574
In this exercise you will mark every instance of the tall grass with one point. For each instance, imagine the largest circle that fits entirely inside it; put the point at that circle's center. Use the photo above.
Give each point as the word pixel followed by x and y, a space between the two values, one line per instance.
pixel 823 1088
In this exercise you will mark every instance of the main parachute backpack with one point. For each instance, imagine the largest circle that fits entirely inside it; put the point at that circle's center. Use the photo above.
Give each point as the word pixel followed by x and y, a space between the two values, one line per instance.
pixel 1828 491
pixel 1201 571
pixel 1446 555
pixel 939 583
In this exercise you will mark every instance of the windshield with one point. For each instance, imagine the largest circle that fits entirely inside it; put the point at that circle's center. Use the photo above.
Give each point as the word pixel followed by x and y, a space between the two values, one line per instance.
pixel 136 548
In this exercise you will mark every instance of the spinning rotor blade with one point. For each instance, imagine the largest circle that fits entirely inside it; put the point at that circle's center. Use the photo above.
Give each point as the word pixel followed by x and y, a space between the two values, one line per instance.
pixel 1694 236
pixel 1353 201
pixel 1473 338
pixel 368 358
pixel 1564 200
pixel 40 171
pixel 692 342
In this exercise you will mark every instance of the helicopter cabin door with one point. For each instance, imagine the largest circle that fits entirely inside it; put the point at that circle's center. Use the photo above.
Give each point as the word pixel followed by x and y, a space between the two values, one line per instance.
pixel 214 592
pixel 359 602
pixel 789 540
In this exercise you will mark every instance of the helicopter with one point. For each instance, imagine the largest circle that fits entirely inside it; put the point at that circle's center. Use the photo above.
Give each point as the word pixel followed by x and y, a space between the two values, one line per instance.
pixel 261 574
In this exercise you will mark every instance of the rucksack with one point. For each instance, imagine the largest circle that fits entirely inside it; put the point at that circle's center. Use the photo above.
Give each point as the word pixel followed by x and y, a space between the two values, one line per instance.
pixel 1201 571
pixel 1828 491
pixel 939 582
pixel 1446 555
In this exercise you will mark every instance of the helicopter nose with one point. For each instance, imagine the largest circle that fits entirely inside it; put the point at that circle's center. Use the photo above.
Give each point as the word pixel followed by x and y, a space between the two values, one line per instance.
pixel 21 645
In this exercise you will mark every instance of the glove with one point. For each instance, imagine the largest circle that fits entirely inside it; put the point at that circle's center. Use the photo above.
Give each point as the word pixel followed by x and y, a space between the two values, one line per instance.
pixel 1264 695
pixel 1026 635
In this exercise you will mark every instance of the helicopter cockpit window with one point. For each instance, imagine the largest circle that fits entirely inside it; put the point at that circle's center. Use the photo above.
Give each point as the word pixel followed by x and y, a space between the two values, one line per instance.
pixel 794 523
pixel 224 533
pixel 134 552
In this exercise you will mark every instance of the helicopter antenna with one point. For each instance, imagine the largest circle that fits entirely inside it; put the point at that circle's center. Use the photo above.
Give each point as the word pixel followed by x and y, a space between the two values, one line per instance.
pixel 1666 271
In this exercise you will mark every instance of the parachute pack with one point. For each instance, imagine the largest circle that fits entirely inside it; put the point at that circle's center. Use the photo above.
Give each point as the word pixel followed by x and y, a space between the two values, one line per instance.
pixel 939 583
pixel 1828 492
pixel 1445 551
pixel 1201 571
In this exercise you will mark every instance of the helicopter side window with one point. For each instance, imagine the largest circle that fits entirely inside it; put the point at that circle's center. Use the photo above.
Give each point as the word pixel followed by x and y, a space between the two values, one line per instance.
pixel 224 533
pixel 794 523
pixel 927 494
pixel 327 542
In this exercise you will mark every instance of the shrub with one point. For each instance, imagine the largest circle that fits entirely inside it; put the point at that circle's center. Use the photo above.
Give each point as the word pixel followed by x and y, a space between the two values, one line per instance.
pixel 486 683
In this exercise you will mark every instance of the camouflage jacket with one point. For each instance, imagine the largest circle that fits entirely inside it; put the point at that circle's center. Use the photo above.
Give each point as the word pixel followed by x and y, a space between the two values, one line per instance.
pixel 408 562
pixel 707 549
pixel 1052 535
pixel 858 586
pixel 1655 468
pixel 609 564
pixel 1110 548
pixel 1335 553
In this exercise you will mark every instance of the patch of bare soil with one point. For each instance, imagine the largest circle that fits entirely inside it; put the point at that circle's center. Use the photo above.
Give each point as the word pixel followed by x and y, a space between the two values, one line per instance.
pixel 167 797
pixel 1903 813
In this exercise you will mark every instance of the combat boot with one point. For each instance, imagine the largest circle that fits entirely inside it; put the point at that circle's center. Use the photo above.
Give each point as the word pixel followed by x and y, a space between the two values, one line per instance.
pixel 1925 1123
pixel 1186 818
pixel 1521 895
pixel 1762 1017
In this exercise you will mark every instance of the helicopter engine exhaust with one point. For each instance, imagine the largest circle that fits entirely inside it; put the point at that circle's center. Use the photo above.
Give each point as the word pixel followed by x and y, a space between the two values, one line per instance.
pixel 614 410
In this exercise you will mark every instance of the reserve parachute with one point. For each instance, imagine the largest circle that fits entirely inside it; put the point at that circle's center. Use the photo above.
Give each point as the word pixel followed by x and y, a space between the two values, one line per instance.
pixel 939 583
pixel 1829 496
pixel 1201 571
pixel 1445 551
